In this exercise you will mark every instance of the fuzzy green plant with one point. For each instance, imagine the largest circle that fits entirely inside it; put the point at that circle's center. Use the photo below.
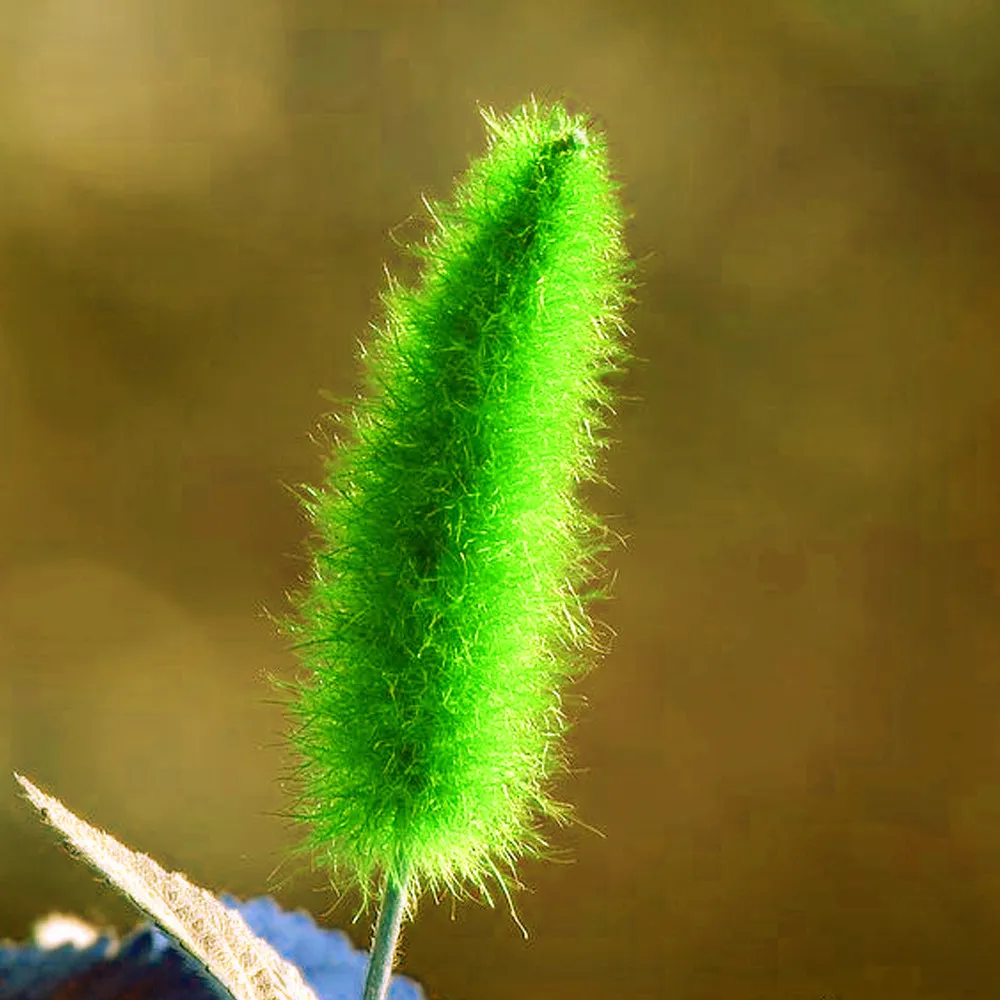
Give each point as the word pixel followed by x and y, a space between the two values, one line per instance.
pixel 447 603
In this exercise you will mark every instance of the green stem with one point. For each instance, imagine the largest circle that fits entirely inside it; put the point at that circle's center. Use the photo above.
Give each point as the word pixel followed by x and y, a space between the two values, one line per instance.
pixel 390 919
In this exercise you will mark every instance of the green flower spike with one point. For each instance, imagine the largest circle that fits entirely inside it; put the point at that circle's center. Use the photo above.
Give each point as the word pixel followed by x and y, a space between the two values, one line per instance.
pixel 446 604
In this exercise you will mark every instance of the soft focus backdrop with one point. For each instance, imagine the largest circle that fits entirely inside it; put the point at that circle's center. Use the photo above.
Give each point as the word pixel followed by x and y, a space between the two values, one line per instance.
pixel 793 749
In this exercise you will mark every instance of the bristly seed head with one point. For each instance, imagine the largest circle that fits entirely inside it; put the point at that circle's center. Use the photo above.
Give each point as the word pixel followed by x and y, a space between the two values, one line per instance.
pixel 447 603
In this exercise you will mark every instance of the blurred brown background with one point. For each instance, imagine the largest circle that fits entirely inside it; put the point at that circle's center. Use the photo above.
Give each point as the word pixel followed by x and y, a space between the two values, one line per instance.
pixel 793 749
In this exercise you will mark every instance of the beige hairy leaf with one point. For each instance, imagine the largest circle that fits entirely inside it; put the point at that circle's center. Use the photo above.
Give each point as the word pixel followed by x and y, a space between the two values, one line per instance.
pixel 218 936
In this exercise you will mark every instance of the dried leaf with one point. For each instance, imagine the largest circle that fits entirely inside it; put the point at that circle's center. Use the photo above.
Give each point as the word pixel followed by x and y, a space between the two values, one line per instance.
pixel 217 936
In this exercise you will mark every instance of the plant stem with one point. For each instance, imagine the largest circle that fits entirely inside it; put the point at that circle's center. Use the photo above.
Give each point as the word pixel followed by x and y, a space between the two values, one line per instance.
pixel 390 919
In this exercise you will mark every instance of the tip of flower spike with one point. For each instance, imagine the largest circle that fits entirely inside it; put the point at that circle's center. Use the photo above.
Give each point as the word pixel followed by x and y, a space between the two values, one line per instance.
pixel 537 122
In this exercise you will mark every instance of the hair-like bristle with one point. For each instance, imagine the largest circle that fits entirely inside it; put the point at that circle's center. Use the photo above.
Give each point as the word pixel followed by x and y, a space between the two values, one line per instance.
pixel 447 605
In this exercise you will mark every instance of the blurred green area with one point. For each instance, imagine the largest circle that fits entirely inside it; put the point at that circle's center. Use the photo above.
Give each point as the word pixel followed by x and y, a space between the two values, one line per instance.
pixel 793 747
